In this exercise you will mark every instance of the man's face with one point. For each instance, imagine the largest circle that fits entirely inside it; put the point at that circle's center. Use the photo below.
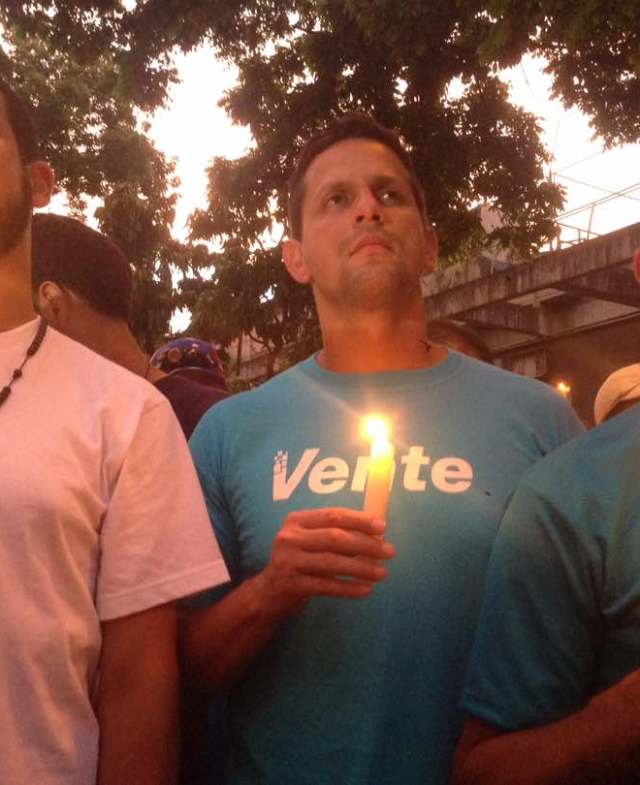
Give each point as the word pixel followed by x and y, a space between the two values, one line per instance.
pixel 364 243
pixel 15 188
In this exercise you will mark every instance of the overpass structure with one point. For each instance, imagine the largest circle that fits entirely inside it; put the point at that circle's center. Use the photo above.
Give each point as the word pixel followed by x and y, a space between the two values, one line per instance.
pixel 572 313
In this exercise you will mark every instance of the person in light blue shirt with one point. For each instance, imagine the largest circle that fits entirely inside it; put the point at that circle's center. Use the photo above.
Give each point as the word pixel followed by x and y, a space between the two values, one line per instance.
pixel 554 683
pixel 347 637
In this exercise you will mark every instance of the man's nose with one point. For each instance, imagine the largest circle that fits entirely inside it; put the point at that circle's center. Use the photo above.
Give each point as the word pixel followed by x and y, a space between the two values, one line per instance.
pixel 368 207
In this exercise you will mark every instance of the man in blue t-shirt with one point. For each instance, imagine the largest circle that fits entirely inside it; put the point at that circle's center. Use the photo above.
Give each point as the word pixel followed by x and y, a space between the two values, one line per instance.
pixel 554 687
pixel 347 636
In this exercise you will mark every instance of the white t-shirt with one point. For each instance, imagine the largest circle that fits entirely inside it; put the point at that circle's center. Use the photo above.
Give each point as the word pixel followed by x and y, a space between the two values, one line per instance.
pixel 101 516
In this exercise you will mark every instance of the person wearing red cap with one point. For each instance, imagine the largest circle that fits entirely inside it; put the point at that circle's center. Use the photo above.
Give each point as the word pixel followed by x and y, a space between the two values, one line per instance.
pixel 553 688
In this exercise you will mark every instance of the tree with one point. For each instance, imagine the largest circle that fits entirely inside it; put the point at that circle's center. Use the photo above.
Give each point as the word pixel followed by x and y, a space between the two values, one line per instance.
pixel 251 294
pixel 593 51
pixel 90 134
pixel 333 57
pixel 431 70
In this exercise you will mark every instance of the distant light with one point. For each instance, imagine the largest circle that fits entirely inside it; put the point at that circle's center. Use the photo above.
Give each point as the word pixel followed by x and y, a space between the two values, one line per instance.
pixel 563 388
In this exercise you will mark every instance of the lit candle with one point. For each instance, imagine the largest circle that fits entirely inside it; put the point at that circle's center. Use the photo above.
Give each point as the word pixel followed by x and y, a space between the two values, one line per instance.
pixel 376 498
pixel 564 389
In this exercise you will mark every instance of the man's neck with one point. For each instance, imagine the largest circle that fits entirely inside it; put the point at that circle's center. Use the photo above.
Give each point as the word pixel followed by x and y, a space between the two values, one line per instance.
pixel 373 342
pixel 16 304
pixel 113 339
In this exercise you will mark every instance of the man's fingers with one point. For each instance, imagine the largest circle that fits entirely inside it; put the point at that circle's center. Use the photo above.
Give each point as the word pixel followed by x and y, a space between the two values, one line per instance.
pixel 334 587
pixel 334 552
pixel 338 541
pixel 330 564
pixel 338 518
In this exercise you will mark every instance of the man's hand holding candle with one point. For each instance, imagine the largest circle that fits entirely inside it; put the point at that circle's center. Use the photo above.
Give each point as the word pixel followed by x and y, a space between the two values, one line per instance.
pixel 335 552
pixel 332 552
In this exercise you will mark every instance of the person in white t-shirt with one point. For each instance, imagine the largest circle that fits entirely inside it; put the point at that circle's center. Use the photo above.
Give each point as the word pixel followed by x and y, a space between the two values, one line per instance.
pixel 102 528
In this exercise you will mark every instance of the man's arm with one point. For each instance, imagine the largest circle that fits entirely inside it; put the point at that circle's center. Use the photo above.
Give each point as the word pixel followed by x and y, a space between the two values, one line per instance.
pixel 598 745
pixel 326 552
pixel 138 699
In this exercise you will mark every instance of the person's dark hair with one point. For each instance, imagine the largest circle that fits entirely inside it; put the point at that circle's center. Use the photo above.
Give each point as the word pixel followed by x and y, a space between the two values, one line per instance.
pixel 76 257
pixel 354 125
pixel 460 337
pixel 21 124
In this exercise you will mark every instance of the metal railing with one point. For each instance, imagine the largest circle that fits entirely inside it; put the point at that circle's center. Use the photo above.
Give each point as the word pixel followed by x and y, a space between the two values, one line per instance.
pixel 572 234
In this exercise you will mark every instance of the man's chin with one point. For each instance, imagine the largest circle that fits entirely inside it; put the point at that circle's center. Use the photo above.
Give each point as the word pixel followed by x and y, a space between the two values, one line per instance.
pixel 377 286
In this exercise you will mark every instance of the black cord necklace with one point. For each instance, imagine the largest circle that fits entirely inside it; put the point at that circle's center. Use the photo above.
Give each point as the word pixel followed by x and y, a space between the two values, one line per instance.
pixel 33 348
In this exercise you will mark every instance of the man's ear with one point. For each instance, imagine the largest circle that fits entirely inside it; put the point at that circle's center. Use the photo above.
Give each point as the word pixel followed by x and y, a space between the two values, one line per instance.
pixel 293 258
pixel 51 303
pixel 42 181
pixel 431 249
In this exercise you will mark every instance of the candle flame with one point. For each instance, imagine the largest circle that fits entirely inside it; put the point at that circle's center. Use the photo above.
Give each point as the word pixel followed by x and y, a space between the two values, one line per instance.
pixel 381 448
pixel 563 388
pixel 377 429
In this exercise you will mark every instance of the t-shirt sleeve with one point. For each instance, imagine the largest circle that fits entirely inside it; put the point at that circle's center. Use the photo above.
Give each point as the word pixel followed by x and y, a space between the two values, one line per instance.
pixel 569 424
pixel 533 657
pixel 560 423
pixel 156 542
pixel 207 450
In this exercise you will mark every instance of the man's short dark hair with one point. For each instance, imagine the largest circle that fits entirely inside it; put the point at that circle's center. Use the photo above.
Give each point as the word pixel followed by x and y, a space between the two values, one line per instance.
pixel 76 257
pixel 354 125
pixel 21 124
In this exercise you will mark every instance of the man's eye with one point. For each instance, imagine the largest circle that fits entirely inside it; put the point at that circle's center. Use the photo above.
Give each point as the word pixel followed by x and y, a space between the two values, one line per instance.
pixel 390 195
pixel 335 199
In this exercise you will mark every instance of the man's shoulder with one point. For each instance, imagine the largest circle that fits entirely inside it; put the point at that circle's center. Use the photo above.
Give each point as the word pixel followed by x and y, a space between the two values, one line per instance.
pixel 525 397
pixel 587 461
pixel 98 380
pixel 510 382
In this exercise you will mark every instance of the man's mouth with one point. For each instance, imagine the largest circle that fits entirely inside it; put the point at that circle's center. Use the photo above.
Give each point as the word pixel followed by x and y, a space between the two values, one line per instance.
pixel 371 241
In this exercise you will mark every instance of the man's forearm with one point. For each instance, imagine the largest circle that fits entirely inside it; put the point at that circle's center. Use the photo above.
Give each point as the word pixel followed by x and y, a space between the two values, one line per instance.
pixel 138 700
pixel 332 552
pixel 219 642
pixel 599 744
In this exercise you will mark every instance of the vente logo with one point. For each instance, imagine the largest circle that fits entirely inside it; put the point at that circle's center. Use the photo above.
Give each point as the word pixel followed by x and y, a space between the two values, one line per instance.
pixel 325 475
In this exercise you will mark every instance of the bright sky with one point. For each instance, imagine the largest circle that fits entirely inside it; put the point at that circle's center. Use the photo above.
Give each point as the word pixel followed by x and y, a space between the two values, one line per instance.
pixel 193 129
pixel 578 157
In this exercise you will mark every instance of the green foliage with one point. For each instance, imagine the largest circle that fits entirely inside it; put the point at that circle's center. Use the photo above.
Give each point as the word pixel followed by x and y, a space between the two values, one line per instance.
pixel 429 70
pixel 252 294
pixel 593 53
pixel 90 134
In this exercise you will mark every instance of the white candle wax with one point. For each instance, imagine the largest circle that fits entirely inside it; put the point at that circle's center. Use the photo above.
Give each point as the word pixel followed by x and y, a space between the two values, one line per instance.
pixel 376 499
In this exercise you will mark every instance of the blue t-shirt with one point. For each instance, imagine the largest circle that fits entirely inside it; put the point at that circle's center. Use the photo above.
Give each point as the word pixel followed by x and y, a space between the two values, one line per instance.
pixel 363 692
pixel 561 616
